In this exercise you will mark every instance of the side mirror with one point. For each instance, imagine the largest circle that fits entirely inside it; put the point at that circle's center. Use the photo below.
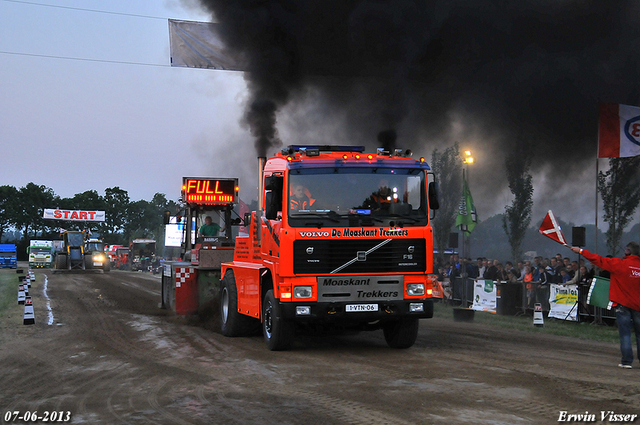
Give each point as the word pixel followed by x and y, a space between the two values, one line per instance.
pixel 273 196
pixel 247 220
pixel 434 204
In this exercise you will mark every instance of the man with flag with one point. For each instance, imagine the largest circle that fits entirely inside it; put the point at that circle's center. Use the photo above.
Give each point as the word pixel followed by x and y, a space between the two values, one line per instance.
pixel 624 292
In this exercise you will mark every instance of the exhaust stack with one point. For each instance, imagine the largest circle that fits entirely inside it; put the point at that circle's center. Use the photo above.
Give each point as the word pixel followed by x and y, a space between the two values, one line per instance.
pixel 261 161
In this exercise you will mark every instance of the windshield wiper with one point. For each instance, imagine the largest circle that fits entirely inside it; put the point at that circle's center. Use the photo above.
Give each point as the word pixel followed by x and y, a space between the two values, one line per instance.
pixel 331 215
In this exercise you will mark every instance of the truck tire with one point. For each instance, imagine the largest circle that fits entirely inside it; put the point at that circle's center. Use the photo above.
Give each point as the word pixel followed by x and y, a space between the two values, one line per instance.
pixel 233 323
pixel 88 261
pixel 277 331
pixel 61 261
pixel 401 333
pixel 106 267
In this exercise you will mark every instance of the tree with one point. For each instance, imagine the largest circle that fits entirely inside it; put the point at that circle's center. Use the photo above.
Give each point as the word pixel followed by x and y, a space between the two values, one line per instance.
pixel 517 216
pixel 116 205
pixel 8 213
pixel 447 167
pixel 620 191
pixel 32 199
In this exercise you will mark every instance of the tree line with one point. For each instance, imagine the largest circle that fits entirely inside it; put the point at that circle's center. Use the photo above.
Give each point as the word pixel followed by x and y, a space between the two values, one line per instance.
pixel 22 209
pixel 618 187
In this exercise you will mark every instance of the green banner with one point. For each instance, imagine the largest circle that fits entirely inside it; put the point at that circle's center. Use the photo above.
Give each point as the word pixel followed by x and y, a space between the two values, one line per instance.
pixel 467 217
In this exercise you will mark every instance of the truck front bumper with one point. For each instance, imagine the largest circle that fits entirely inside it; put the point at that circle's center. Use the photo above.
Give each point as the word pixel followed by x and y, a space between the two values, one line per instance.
pixel 338 311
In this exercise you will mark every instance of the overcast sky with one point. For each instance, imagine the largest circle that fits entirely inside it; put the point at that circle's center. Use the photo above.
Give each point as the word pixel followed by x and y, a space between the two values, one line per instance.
pixel 88 101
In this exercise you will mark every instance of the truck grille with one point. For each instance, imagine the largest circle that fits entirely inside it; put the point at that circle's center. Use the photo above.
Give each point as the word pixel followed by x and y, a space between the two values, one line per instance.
pixel 331 256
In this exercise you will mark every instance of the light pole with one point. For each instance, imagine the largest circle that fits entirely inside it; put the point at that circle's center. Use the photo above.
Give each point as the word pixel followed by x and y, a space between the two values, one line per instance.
pixel 466 240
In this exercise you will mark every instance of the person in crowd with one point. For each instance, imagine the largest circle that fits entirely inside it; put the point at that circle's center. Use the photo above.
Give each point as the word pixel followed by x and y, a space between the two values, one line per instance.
pixel 508 266
pixel 441 273
pixel 527 278
pixel 501 273
pixel 579 273
pixel 491 272
pixel 511 277
pixel 550 271
pixel 624 292
pixel 567 265
pixel 481 266
pixel 564 275
pixel 449 270
pixel 469 268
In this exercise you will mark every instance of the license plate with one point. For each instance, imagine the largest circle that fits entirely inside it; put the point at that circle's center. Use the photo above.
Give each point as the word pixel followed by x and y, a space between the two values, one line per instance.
pixel 95 263
pixel 361 307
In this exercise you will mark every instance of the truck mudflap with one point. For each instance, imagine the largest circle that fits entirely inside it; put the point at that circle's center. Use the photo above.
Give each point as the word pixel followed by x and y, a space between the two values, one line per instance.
pixel 345 311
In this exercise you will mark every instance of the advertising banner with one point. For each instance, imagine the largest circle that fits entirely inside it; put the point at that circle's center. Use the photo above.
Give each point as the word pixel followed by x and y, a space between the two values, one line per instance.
pixel 563 300
pixel 173 232
pixel 484 296
pixel 72 215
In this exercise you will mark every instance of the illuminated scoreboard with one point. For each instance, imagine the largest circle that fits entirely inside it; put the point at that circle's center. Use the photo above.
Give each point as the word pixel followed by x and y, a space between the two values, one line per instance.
pixel 204 191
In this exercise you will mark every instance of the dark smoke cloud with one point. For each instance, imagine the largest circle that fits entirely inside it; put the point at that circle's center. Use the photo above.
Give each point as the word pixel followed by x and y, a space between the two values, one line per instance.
pixel 528 71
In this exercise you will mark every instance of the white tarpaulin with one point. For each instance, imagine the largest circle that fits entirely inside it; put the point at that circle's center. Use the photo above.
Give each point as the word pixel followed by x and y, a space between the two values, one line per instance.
pixel 199 45
pixel 72 215
pixel 484 296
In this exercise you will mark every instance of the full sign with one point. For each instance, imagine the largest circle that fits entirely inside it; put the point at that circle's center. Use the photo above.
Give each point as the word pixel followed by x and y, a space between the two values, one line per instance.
pixel 73 215
pixel 203 191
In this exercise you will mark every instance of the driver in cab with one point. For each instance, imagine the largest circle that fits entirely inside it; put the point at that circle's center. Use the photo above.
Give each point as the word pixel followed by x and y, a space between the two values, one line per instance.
pixel 299 199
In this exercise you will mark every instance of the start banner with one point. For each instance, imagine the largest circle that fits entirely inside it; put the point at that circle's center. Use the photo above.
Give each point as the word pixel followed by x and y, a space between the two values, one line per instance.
pixel 72 215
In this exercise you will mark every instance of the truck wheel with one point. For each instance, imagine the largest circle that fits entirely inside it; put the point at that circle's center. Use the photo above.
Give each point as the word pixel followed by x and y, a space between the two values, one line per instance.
pixel 106 267
pixel 401 333
pixel 233 323
pixel 277 331
pixel 61 261
pixel 88 262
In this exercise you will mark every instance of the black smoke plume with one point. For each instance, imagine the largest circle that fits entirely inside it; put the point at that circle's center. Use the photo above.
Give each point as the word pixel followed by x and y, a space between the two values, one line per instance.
pixel 492 74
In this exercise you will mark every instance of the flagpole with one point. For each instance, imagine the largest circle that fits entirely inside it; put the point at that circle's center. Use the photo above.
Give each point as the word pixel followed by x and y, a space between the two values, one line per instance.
pixel 596 231
pixel 595 250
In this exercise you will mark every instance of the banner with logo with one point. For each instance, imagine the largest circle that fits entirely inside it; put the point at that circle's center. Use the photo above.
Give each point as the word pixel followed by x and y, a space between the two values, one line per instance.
pixel 484 296
pixel 618 131
pixel 563 302
pixel 72 215
pixel 467 217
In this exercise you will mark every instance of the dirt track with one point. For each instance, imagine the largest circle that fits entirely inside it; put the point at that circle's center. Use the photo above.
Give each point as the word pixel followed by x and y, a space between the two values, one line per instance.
pixel 112 356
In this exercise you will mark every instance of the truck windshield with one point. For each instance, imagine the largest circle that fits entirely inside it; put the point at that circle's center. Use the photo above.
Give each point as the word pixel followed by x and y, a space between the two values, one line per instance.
pixel 357 197
pixel 40 250
pixel 95 246
pixel 7 254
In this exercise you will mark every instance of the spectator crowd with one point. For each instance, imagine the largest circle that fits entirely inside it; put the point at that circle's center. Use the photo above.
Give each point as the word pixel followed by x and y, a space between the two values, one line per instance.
pixel 535 275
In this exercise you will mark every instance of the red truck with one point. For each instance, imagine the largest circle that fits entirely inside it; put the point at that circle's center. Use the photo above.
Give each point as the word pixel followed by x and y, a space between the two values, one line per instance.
pixel 341 239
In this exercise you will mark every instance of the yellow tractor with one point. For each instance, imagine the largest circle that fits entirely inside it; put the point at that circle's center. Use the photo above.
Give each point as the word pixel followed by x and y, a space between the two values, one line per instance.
pixel 72 255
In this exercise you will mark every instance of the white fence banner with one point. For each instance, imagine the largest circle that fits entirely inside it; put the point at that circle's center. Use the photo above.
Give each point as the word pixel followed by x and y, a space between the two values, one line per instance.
pixel 484 296
pixel 563 302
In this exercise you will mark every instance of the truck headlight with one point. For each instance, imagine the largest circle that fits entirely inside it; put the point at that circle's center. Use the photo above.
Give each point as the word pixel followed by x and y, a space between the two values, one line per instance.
pixel 414 289
pixel 302 292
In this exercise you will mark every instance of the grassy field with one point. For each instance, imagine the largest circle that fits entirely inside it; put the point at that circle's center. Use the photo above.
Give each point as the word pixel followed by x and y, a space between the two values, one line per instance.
pixel 551 326
pixel 8 289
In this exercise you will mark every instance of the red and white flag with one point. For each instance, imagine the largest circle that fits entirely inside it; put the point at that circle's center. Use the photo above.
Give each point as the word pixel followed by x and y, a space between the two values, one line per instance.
pixel 618 131
pixel 551 229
